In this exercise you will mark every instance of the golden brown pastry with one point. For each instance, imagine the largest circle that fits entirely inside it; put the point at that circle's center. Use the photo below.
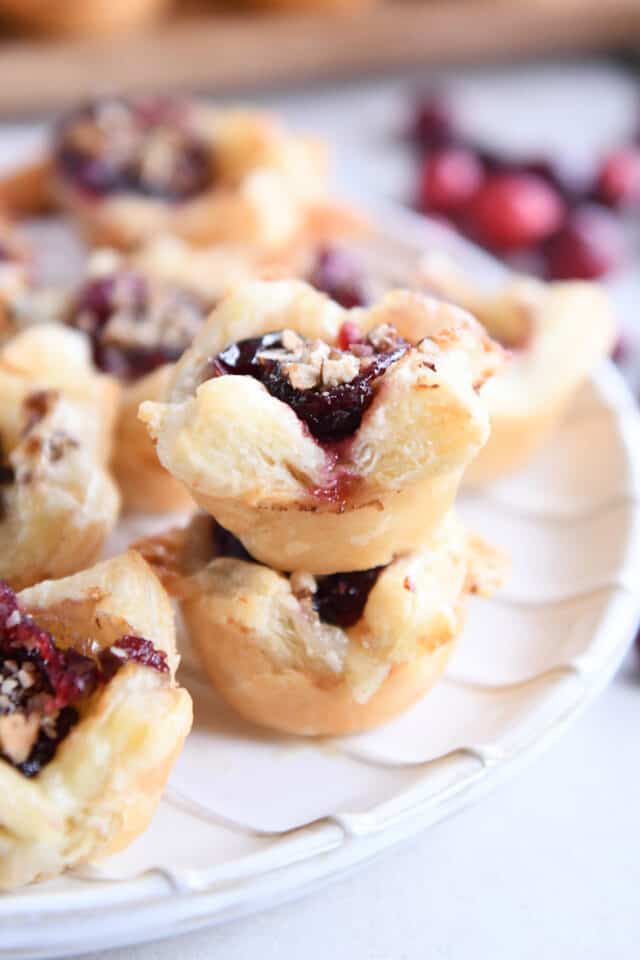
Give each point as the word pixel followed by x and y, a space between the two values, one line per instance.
pixel 557 334
pixel 91 716
pixel 322 655
pixel 320 436
pixel 57 502
pixel 129 169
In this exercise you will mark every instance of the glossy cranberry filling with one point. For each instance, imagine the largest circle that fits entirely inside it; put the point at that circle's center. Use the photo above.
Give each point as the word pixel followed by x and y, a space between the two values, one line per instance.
pixel 337 273
pixel 331 413
pixel 341 597
pixel 134 327
pixel 145 145
pixel 40 683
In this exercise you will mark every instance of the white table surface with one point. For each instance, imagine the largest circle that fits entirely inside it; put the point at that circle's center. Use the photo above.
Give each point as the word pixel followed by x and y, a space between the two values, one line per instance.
pixel 548 866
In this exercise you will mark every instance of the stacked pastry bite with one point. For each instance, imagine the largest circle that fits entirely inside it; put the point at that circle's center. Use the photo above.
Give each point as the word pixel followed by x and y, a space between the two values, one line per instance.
pixel 328 444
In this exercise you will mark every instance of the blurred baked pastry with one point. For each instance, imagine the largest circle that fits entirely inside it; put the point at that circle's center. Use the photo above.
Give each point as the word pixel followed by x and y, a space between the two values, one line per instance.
pixel 57 501
pixel 322 655
pixel 91 716
pixel 140 313
pixel 326 439
pixel 14 275
pixel 557 334
pixel 129 169
pixel 80 17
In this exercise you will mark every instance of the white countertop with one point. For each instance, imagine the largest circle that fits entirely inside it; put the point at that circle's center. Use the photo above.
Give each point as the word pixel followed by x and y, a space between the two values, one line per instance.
pixel 549 865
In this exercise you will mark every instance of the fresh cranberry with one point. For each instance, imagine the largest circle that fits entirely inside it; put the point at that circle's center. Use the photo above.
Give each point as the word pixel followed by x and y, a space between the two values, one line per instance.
pixel 514 211
pixel 618 181
pixel 330 414
pixel 590 245
pixel 103 147
pixel 339 275
pixel 450 178
pixel 341 597
pixel 433 123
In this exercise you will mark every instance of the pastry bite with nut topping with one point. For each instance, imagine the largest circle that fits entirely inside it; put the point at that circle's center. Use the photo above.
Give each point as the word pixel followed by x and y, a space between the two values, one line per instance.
pixel 317 655
pixel 140 312
pixel 129 168
pixel 91 716
pixel 326 439
pixel 557 334
pixel 58 503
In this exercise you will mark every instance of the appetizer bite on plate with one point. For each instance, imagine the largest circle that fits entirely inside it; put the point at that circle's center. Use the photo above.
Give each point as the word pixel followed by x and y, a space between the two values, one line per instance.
pixel 326 439
pixel 329 654
pixel 130 168
pixel 58 504
pixel 91 716
pixel 557 334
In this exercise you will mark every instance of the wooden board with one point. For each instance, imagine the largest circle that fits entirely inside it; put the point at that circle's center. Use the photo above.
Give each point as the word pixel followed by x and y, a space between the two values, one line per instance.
pixel 224 52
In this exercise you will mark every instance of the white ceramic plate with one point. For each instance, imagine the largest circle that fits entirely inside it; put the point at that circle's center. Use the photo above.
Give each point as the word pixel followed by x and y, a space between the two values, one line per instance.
pixel 250 819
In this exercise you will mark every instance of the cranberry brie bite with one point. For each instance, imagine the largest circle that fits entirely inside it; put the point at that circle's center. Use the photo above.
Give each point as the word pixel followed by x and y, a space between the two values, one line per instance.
pixel 557 334
pixel 326 439
pixel 91 717
pixel 318 655
pixel 130 168
pixel 57 501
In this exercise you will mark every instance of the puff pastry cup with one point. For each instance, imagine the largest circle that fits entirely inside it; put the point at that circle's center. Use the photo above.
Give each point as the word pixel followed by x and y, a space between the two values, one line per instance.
pixel 557 334
pixel 57 501
pixel 326 655
pixel 130 168
pixel 407 425
pixel 91 716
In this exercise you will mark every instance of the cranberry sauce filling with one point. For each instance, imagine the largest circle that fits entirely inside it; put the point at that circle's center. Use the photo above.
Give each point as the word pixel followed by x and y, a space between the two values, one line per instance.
pixel 40 683
pixel 144 145
pixel 328 388
pixel 134 325
pixel 337 273
pixel 341 597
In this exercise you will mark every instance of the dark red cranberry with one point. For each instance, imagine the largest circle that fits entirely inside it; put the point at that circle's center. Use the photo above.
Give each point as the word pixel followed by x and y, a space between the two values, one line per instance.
pixel 513 211
pixel 330 414
pixel 102 148
pixel 338 274
pixel 450 178
pixel 618 181
pixel 590 245
pixel 130 649
pixel 433 123
pixel 341 597
pixel 226 545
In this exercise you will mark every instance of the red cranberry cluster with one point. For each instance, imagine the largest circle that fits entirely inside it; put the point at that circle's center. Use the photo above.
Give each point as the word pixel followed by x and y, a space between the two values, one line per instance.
pixel 142 145
pixel 515 207
pixel 39 678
